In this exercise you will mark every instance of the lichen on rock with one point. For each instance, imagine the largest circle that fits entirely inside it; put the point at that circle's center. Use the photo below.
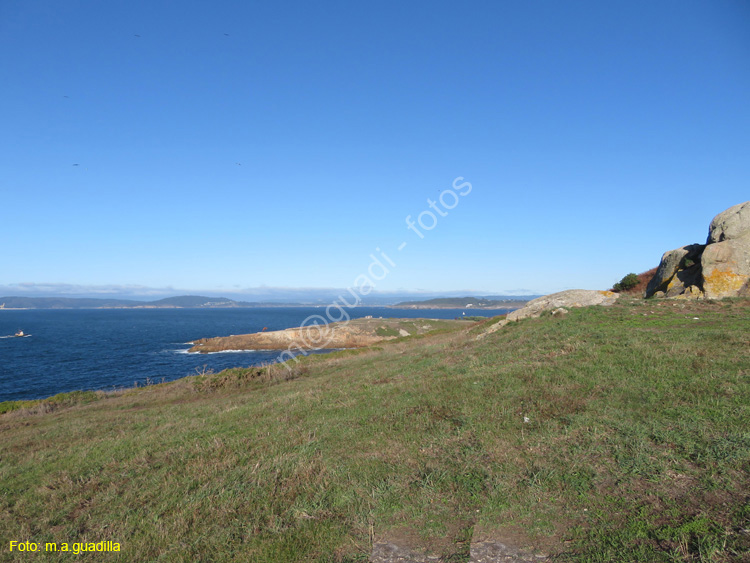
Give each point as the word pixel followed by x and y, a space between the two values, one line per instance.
pixel 719 268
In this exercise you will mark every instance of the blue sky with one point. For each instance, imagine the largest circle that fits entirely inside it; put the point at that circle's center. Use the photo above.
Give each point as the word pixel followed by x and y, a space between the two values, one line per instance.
pixel 244 144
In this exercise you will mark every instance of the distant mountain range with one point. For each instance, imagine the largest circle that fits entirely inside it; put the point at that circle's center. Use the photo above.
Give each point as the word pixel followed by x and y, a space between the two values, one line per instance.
pixel 465 303
pixel 182 302
pixel 202 302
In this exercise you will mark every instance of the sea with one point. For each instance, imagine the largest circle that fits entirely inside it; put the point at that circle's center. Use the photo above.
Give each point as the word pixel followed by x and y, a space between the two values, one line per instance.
pixel 109 349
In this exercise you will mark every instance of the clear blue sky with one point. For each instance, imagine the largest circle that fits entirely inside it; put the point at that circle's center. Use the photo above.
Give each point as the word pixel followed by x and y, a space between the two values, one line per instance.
pixel 596 135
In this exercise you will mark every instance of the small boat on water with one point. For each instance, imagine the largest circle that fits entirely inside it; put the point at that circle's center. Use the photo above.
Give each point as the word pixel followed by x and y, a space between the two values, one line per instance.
pixel 18 334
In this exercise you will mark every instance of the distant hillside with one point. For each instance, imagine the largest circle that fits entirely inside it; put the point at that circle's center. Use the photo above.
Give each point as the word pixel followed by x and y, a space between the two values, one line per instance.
pixel 62 303
pixel 464 303
pixel 199 301
pixel 181 302
pixel 203 302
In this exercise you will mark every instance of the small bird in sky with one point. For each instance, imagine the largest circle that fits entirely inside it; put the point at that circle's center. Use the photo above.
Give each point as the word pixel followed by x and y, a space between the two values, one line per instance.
pixel 226 34
pixel 136 35
pixel 75 165
pixel 66 96
pixel 238 163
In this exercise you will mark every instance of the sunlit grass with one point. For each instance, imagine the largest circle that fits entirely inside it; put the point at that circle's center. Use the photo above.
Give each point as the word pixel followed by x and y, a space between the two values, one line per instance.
pixel 636 442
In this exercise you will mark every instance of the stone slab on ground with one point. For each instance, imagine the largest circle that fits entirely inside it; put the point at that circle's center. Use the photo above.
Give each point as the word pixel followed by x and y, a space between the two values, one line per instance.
pixel 482 551
pixel 491 551
pixel 390 552
pixel 503 545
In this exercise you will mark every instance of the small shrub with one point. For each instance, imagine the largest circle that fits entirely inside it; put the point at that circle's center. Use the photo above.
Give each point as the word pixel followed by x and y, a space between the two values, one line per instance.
pixel 626 283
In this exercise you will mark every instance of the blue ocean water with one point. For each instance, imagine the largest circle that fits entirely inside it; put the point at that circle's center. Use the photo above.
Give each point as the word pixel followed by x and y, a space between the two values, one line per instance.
pixel 72 350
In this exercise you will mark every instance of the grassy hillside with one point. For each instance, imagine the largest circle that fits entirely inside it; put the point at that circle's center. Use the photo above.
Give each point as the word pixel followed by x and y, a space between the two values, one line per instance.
pixel 636 447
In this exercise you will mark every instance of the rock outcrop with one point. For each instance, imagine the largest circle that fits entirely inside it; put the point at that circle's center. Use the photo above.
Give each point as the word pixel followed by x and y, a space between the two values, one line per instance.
pixel 678 270
pixel 730 224
pixel 355 333
pixel 719 268
pixel 558 303
pixel 563 300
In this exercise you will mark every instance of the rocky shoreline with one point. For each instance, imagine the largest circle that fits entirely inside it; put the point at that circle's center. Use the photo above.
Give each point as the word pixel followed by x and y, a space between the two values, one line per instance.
pixel 356 333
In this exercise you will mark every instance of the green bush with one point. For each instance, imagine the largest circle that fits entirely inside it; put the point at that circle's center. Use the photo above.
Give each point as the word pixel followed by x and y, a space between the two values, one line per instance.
pixel 626 283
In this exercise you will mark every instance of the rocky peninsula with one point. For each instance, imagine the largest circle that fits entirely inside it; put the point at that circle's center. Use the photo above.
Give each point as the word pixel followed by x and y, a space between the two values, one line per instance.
pixel 356 333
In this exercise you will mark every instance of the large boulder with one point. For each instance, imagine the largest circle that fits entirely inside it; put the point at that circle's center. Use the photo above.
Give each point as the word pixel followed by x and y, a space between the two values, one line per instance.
pixel 726 268
pixel 730 224
pixel 726 264
pixel 719 268
pixel 685 283
pixel 563 299
pixel 671 263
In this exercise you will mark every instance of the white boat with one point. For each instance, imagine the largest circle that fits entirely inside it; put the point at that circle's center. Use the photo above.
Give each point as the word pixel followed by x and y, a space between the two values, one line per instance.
pixel 18 334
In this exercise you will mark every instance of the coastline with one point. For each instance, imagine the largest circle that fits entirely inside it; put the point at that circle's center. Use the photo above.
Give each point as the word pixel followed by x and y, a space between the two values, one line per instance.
pixel 356 333
pixel 509 307
pixel 151 345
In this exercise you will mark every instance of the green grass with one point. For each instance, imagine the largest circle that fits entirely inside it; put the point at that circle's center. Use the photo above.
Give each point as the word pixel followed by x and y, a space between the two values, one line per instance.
pixel 386 331
pixel 51 403
pixel 637 448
